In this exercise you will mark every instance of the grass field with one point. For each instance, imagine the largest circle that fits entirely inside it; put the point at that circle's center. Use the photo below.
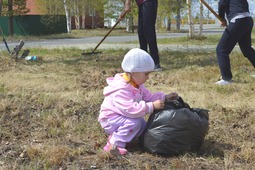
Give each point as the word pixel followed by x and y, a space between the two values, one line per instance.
pixel 49 110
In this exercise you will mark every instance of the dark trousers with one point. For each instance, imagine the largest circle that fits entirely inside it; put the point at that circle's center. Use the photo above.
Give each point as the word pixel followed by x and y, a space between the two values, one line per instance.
pixel 238 32
pixel 146 28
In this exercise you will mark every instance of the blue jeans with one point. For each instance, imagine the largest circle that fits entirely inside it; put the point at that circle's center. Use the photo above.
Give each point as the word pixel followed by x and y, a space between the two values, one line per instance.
pixel 146 28
pixel 238 32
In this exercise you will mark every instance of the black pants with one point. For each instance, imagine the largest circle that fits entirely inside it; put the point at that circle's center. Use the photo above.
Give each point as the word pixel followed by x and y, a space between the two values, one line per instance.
pixel 238 32
pixel 146 28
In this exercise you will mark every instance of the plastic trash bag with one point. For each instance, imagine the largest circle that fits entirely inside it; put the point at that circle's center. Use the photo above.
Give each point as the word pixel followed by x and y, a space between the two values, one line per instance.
pixel 176 129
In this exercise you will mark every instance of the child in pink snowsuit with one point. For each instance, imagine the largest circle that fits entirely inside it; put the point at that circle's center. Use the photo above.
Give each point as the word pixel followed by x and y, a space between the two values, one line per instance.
pixel 127 101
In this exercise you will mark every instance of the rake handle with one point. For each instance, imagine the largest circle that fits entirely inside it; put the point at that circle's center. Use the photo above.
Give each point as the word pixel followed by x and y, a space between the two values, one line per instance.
pixel 215 14
pixel 5 43
pixel 108 32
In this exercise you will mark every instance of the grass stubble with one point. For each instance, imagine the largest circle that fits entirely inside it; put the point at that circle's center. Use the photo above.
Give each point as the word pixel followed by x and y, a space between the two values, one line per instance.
pixel 49 110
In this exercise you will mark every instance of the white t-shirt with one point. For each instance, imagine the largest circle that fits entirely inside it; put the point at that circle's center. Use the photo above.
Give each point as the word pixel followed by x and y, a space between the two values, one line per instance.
pixel 240 15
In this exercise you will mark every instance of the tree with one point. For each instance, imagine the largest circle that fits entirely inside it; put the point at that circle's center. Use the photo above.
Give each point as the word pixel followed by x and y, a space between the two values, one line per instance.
pixel 76 8
pixel 201 18
pixel 18 7
pixel 68 18
pixel 11 8
pixel 95 6
pixel 178 13
pixel 112 9
pixel 132 18
pixel 190 20
pixel 170 9
pixel 1 7
pixel 164 12
pixel 10 12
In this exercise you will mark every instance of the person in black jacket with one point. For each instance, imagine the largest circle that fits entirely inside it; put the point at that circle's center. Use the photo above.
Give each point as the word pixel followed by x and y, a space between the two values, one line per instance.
pixel 237 31
pixel 146 27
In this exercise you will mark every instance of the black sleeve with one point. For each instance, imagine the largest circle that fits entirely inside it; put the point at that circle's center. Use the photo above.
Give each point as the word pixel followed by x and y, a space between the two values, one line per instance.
pixel 222 7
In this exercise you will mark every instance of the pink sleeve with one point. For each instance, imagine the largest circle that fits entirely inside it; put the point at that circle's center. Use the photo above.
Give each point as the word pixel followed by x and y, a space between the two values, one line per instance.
pixel 151 97
pixel 124 101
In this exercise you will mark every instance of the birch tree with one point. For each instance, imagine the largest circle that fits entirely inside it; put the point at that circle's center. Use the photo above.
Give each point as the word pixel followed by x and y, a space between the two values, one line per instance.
pixel 84 12
pixel 68 18
pixel 190 19
pixel 77 14
pixel 131 17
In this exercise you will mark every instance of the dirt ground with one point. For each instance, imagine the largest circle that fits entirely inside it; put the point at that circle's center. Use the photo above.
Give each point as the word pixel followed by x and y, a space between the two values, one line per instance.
pixel 49 110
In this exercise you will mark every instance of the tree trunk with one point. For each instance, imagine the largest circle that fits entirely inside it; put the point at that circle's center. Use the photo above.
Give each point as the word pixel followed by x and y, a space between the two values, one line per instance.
pixel 178 19
pixel 208 14
pixel 132 24
pixel 178 16
pixel 77 15
pixel 77 22
pixel 68 19
pixel 168 24
pixel 83 19
pixel 10 13
pixel 190 20
pixel 83 25
pixel 128 24
pixel 93 20
pixel 1 7
pixel 201 19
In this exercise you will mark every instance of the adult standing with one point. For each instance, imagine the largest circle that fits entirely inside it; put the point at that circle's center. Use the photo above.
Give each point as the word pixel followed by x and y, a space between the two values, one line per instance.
pixel 237 31
pixel 146 27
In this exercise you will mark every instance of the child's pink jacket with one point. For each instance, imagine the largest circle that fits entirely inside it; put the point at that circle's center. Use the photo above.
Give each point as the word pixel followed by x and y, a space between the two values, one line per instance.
pixel 121 98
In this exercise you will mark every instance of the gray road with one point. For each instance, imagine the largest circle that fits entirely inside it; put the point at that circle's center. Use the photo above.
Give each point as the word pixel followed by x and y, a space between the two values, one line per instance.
pixel 111 41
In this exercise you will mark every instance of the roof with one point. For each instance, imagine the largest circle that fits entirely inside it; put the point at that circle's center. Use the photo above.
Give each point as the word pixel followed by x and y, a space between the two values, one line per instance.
pixel 34 10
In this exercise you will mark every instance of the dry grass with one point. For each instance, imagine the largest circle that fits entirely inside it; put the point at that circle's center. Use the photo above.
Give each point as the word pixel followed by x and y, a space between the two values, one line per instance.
pixel 49 110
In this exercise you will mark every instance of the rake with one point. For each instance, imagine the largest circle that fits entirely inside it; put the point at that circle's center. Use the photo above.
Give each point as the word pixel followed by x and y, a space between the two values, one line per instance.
pixel 93 52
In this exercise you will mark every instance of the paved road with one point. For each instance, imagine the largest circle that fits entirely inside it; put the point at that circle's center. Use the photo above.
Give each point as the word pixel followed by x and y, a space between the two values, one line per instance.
pixel 112 41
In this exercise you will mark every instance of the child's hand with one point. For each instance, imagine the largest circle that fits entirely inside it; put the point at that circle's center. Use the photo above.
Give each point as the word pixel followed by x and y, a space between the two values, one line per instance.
pixel 172 96
pixel 158 104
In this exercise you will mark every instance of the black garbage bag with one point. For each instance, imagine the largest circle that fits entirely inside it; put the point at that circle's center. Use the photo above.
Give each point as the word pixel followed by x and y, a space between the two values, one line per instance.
pixel 176 129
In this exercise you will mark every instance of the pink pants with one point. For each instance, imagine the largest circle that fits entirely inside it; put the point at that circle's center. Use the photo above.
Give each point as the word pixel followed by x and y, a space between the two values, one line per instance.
pixel 123 129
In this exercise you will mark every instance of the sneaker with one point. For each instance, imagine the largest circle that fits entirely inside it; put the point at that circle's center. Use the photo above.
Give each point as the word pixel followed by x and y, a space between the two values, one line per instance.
pixel 109 147
pixel 157 68
pixel 122 151
pixel 223 82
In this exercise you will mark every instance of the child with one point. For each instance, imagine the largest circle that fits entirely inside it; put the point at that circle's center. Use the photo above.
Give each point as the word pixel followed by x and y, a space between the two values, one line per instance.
pixel 127 101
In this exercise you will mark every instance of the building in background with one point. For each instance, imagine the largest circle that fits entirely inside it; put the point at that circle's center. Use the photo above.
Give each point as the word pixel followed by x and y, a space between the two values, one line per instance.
pixel 97 19
pixel 34 10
